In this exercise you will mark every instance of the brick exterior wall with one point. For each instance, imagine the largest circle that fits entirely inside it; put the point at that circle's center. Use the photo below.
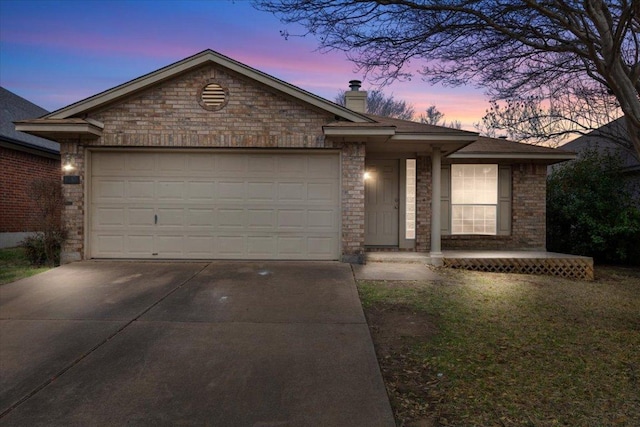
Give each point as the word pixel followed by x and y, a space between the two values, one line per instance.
pixel 353 156
pixel 169 115
pixel 18 170
pixel 528 215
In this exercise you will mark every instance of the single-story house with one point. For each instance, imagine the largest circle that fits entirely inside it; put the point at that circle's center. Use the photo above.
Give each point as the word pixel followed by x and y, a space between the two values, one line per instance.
pixel 612 138
pixel 209 158
pixel 23 158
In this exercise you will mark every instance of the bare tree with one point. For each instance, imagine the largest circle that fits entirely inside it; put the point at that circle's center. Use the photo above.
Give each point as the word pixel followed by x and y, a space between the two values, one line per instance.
pixel 432 116
pixel 44 247
pixel 553 58
pixel 383 105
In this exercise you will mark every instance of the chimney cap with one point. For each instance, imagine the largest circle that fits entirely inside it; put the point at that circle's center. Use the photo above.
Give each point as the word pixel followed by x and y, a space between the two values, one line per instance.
pixel 355 84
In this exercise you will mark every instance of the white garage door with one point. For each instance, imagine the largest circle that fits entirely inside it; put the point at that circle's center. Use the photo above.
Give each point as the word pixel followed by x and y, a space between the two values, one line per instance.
pixel 207 205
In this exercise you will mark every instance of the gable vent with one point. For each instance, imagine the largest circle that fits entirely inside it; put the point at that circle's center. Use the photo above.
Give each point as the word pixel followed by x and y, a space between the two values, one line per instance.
pixel 213 97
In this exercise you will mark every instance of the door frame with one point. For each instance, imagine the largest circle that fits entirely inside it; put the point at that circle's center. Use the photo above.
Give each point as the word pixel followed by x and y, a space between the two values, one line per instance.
pixel 398 199
pixel 403 242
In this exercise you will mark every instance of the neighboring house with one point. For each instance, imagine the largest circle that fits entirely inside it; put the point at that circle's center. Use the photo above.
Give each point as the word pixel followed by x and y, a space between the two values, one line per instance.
pixel 23 157
pixel 612 138
pixel 209 158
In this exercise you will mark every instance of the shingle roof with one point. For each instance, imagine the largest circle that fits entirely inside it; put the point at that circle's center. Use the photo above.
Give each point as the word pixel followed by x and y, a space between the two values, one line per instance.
pixel 407 126
pixel 485 145
pixel 612 137
pixel 401 126
pixel 16 108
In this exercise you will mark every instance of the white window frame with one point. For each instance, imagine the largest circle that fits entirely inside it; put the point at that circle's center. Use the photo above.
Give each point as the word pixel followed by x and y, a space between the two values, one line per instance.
pixel 474 199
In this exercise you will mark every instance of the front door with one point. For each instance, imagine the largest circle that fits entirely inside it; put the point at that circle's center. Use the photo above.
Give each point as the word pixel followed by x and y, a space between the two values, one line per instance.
pixel 381 203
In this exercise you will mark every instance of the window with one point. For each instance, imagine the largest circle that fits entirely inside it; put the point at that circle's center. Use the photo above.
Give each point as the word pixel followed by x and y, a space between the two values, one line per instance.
pixel 474 199
pixel 410 201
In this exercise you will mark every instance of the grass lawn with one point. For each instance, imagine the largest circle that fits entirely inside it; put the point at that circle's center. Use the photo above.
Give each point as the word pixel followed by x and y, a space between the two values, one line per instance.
pixel 483 349
pixel 14 266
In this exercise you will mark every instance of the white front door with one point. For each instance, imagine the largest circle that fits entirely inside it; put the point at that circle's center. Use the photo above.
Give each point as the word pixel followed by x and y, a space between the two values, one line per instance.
pixel 381 203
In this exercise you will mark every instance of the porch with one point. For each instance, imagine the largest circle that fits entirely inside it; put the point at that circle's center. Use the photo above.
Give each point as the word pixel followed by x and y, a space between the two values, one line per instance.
pixel 522 262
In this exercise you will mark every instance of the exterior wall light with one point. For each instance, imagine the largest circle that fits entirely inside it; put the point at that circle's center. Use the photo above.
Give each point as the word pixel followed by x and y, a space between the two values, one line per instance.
pixel 69 164
pixel 367 176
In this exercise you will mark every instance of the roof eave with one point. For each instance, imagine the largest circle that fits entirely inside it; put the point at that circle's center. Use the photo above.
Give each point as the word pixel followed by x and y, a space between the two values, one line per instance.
pixel 29 148
pixel 57 131
pixel 553 157
pixel 358 131
pixel 444 138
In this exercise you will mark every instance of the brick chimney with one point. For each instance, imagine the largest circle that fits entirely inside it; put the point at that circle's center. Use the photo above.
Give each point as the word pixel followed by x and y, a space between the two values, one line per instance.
pixel 356 99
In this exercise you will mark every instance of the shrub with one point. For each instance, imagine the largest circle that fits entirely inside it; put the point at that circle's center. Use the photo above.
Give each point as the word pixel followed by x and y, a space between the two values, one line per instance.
pixel 590 210
pixel 37 247
pixel 44 247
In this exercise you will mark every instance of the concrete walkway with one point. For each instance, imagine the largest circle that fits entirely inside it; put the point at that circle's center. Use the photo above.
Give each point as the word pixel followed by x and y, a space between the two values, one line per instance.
pixel 220 343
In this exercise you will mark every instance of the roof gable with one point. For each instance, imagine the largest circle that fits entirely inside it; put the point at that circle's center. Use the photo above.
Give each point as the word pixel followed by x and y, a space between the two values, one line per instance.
pixel 204 57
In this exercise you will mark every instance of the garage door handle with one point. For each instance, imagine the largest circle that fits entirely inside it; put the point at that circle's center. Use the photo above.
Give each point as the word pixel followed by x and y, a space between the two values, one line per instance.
pixel 155 219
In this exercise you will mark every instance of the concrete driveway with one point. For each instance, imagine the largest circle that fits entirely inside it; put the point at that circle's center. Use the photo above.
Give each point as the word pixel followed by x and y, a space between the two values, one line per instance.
pixel 211 343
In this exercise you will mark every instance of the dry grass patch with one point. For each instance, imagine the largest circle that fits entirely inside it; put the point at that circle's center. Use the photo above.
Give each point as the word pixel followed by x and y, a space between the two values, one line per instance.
pixel 497 349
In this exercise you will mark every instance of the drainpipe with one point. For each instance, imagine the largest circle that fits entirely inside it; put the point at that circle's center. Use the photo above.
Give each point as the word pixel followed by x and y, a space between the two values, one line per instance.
pixel 436 171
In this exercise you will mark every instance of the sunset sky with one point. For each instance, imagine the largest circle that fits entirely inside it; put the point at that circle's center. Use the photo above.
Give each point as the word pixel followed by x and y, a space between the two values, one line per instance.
pixel 54 53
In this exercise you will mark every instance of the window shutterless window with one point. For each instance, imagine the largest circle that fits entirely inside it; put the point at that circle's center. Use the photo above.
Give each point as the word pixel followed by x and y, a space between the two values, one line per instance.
pixel 474 199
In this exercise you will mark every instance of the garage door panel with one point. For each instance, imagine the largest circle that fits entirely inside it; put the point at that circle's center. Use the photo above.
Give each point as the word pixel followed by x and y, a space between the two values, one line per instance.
pixel 290 219
pixel 141 190
pixel 231 191
pixel 262 219
pixel 170 217
pixel 320 247
pixel 215 205
pixel 201 191
pixel 259 191
pixel 323 167
pixel 109 164
pixel 321 192
pixel 231 246
pixel 109 244
pixel 170 246
pixel 262 165
pixel 261 246
pixel 291 192
pixel 171 163
pixel 140 245
pixel 231 218
pixel 141 217
pixel 199 217
pixel 109 190
pixel 109 217
pixel 292 166
pixel 199 246
pixel 200 163
pixel 171 190
pixel 231 165
pixel 291 246
pixel 321 220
